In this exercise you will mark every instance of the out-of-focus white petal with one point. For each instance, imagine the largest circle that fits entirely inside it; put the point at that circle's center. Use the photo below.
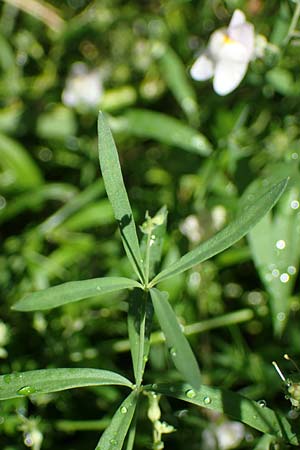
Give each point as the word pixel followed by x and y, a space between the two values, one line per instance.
pixel 216 42
pixel 203 68
pixel 245 35
pixel 238 18
pixel 234 51
pixel 228 75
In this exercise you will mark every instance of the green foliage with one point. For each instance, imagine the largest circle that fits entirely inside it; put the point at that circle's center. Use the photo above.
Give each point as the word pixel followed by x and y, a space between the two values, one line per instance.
pixel 213 166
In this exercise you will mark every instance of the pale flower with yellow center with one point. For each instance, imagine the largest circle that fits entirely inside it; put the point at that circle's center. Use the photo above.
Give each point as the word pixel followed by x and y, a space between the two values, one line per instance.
pixel 227 55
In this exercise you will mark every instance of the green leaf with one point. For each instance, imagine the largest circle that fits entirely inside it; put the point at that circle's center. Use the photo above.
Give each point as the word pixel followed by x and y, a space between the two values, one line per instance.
pixel 165 129
pixel 114 436
pixel 93 215
pixel 74 205
pixel 179 347
pixel 174 73
pixel 265 443
pixel 35 198
pixel 235 406
pixel 17 162
pixel 52 380
pixel 140 314
pixel 114 184
pixel 275 246
pixel 253 211
pixel 72 291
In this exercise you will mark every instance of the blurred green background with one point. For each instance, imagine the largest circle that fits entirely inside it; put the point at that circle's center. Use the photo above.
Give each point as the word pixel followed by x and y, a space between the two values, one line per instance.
pixel 180 145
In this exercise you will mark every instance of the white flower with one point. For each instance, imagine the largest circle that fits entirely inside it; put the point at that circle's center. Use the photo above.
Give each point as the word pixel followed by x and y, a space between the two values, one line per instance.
pixel 190 228
pixel 226 436
pixel 83 87
pixel 227 55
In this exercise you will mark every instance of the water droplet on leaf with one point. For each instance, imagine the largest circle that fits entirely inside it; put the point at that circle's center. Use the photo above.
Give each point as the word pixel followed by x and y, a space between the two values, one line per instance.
pixel 26 390
pixel 190 393
pixel 292 270
pixel 123 410
pixel 173 351
pixel 294 204
pixel 262 403
pixel 280 244
pixel 207 400
pixel 7 379
pixel 284 278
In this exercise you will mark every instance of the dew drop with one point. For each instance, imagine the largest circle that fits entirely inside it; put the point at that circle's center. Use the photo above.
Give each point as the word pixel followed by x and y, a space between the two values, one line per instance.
pixel 281 316
pixel 284 277
pixel 113 442
pixel 262 403
pixel 28 440
pixel 280 244
pixel 293 414
pixel 154 386
pixel 294 204
pixel 123 410
pixel 26 390
pixel 173 351
pixel 292 270
pixel 190 393
pixel 275 273
pixel 207 400
pixel 254 417
pixel 145 358
pixel 7 379
pixel 294 155
pixel 98 288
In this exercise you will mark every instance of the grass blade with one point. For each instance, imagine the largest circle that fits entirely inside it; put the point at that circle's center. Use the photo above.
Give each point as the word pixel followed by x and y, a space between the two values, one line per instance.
pixel 114 436
pixel 53 380
pixel 179 347
pixel 72 291
pixel 252 213
pixel 115 188
pixel 235 406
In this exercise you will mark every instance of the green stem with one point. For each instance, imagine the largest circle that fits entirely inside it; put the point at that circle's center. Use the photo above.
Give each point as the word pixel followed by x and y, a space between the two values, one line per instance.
pixel 141 362
pixel 293 24
pixel 157 337
pixel 147 259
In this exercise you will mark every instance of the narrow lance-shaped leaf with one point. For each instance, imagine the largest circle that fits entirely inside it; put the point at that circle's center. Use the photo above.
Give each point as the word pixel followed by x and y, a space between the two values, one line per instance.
pixel 235 406
pixel 165 129
pixel 140 314
pixel 72 291
pixel 275 246
pixel 253 211
pixel 115 188
pixel 114 436
pixel 174 72
pixel 53 380
pixel 179 347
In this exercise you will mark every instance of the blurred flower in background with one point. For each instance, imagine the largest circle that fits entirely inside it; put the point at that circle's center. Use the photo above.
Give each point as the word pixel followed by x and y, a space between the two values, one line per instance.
pixel 4 339
pixel 227 55
pixel 225 436
pixel 83 89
